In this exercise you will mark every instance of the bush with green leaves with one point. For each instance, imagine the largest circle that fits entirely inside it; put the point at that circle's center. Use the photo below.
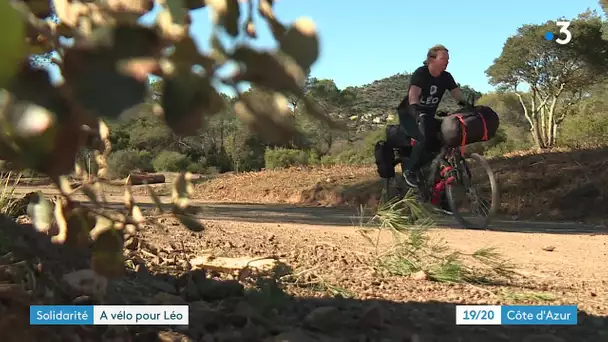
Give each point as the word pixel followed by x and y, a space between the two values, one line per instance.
pixel 359 152
pixel 584 130
pixel 122 163
pixel 280 158
pixel 105 66
pixel 170 161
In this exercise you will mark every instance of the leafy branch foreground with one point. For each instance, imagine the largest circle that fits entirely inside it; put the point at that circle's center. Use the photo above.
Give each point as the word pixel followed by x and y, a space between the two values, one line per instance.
pixel 111 56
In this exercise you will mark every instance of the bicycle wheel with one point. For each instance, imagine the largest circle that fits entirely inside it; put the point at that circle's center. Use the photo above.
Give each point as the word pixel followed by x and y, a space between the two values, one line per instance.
pixel 394 188
pixel 466 184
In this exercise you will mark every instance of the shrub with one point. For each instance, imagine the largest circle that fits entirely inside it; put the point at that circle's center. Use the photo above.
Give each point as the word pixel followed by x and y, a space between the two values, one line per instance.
pixel 583 131
pixel 123 162
pixel 170 161
pixel 283 157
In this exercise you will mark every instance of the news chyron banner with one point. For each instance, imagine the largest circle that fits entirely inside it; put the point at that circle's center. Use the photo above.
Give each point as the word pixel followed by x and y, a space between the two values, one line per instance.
pixel 516 315
pixel 178 315
pixel 109 315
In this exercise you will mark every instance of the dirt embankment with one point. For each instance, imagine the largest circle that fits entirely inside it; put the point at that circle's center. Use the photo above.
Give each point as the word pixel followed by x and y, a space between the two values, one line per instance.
pixel 562 185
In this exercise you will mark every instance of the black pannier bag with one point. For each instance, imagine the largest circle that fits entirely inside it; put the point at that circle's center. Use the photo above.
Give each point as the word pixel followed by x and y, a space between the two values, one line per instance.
pixel 469 127
pixel 397 137
pixel 383 154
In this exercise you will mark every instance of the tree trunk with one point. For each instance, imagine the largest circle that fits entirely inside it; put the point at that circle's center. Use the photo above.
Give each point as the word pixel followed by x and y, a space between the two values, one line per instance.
pixel 138 178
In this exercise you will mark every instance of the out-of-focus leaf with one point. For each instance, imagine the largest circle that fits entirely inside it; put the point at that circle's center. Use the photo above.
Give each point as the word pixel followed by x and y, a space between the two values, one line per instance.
pixel 226 13
pixel 187 100
pixel 315 110
pixel 34 86
pixel 40 8
pixel 271 122
pixel 128 197
pixel 90 193
pixel 92 71
pixel 139 68
pixel 13 47
pixel 133 6
pixel 178 11
pixel 40 210
pixel 155 198
pixel 218 52
pixel 79 222
pixel 137 215
pixel 271 71
pixel 250 29
pixel 62 224
pixel 187 54
pixel 107 258
pixel 181 190
pixel 266 11
pixel 190 222
pixel 301 42
pixel 195 4
pixel 65 148
pixel 38 121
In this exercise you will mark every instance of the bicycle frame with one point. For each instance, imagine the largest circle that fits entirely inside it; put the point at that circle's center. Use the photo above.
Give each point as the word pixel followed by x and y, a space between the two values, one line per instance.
pixel 453 157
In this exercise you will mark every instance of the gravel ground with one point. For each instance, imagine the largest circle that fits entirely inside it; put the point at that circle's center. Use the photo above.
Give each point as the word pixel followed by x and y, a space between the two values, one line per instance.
pixel 333 293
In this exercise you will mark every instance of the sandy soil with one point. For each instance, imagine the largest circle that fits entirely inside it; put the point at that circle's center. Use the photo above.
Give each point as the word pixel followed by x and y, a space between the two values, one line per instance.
pixel 337 291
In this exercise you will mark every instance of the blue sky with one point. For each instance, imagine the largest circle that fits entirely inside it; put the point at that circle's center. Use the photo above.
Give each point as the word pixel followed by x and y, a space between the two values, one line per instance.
pixel 362 43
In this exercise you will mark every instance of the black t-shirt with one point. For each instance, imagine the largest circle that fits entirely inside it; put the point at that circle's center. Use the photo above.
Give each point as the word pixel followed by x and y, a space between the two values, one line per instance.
pixel 432 87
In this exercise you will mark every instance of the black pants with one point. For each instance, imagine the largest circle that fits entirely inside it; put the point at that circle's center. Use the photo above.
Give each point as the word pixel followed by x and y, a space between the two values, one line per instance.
pixel 425 129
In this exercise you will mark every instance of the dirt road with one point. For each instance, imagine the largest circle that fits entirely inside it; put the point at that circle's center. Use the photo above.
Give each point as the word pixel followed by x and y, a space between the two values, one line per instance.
pixel 556 263
pixel 577 251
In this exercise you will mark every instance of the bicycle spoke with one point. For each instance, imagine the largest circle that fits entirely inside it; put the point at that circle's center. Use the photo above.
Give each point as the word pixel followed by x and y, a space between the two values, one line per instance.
pixel 475 182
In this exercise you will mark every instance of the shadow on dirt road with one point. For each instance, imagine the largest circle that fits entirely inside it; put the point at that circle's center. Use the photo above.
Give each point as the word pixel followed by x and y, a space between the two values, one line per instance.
pixel 346 217
pixel 337 216
pixel 222 309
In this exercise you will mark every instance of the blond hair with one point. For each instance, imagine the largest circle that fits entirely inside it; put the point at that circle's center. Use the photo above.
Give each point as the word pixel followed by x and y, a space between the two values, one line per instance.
pixel 433 52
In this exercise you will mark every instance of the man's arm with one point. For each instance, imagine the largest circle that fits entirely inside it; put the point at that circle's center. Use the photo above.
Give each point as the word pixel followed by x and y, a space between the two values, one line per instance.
pixel 457 95
pixel 455 91
pixel 415 87
pixel 414 94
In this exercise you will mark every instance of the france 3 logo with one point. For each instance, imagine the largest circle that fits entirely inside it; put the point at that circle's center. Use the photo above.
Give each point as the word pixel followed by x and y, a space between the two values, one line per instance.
pixel 564 35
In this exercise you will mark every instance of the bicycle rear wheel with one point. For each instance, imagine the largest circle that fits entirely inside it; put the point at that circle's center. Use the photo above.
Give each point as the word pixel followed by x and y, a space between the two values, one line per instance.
pixel 467 183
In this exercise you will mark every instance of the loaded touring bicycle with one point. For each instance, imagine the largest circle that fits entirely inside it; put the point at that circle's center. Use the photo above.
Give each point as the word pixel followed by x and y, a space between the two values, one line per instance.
pixel 458 175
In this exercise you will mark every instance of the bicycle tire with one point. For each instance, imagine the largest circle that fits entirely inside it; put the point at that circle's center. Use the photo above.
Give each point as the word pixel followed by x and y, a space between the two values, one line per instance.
pixel 494 189
pixel 387 192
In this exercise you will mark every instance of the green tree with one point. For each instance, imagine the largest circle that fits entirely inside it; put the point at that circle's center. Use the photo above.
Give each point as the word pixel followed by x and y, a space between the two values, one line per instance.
pixel 557 75
pixel 507 105
pixel 604 4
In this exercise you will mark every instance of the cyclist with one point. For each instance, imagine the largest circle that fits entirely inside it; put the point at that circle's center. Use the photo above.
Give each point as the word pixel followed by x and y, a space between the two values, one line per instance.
pixel 418 108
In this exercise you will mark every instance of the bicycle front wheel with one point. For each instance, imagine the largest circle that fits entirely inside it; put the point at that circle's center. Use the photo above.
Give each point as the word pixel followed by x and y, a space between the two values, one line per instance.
pixel 473 186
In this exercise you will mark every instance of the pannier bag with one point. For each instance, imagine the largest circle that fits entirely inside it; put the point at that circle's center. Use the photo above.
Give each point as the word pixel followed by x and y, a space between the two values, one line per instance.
pixel 465 128
pixel 384 159
pixel 397 137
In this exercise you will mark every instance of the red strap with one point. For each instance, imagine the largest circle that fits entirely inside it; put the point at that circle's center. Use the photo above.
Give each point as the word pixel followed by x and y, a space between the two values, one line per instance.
pixel 464 134
pixel 485 128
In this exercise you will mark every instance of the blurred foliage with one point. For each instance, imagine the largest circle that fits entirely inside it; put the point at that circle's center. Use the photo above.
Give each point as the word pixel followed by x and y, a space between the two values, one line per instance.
pixel 106 68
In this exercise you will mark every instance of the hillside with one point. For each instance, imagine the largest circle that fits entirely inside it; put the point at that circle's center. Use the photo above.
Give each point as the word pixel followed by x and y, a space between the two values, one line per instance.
pixel 375 101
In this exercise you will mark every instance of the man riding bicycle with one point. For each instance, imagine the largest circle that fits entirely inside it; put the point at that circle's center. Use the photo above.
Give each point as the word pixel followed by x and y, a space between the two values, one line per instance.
pixel 418 108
